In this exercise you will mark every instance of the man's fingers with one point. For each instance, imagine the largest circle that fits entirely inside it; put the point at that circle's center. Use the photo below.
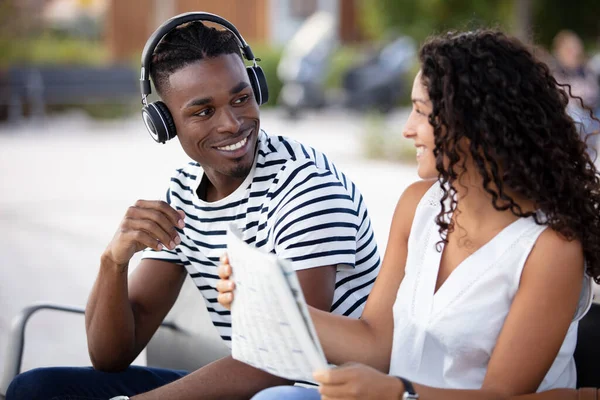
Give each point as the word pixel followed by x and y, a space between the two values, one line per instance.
pixel 146 240
pixel 175 217
pixel 181 222
pixel 152 229
pixel 156 215
pixel 225 286
pixel 147 218
pixel 164 222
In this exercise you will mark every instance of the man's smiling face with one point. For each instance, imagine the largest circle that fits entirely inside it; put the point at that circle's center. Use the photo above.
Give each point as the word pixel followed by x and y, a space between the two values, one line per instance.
pixel 216 114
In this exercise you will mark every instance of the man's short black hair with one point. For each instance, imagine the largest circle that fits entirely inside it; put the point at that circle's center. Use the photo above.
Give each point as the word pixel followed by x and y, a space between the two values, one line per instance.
pixel 187 44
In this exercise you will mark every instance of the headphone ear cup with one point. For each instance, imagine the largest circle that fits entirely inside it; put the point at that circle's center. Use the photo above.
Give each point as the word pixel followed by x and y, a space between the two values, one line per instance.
pixel 159 122
pixel 258 81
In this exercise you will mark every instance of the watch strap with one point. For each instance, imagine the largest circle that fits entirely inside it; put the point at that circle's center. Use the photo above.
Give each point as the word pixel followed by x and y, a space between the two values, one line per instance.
pixel 409 389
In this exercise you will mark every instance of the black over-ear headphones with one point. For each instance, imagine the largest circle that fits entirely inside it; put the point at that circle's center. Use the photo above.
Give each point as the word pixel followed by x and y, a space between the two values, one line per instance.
pixel 156 116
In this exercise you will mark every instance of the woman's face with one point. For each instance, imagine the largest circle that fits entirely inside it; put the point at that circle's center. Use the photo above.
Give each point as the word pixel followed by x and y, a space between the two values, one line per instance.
pixel 420 130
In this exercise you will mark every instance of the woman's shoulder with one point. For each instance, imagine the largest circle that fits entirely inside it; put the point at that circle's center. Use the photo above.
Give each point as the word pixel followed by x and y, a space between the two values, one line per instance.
pixel 555 264
pixel 416 191
pixel 552 248
pixel 409 202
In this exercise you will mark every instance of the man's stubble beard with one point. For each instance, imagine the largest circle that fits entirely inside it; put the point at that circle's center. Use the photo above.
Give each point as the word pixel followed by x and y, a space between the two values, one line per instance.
pixel 241 171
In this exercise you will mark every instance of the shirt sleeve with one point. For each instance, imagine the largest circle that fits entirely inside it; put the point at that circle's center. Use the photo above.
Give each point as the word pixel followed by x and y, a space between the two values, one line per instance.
pixel 317 220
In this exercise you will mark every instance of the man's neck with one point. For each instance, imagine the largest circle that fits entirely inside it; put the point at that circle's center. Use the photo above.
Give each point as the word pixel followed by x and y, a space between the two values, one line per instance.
pixel 215 187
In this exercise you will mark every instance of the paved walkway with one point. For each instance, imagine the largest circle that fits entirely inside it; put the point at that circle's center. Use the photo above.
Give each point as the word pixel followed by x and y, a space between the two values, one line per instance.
pixel 65 184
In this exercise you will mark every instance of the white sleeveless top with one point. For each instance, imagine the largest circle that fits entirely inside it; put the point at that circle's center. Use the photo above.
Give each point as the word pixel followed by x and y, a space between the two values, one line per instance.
pixel 446 339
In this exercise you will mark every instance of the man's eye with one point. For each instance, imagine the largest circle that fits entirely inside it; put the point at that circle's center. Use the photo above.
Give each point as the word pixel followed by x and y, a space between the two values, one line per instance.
pixel 204 113
pixel 241 100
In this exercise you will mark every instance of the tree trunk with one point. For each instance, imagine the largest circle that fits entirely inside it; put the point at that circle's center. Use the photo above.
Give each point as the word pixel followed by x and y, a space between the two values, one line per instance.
pixel 522 18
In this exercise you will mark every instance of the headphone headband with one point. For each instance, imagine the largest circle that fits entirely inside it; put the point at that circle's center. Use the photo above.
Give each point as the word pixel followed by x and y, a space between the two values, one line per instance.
pixel 173 23
pixel 156 116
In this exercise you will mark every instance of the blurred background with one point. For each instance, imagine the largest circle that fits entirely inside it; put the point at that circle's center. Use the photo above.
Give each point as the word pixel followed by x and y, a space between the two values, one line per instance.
pixel 74 153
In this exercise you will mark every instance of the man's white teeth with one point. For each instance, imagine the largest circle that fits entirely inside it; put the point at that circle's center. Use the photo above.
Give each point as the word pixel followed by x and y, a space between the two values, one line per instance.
pixel 420 150
pixel 234 146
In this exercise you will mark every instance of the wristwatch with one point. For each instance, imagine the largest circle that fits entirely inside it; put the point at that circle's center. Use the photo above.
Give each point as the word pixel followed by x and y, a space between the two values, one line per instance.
pixel 409 390
pixel 119 398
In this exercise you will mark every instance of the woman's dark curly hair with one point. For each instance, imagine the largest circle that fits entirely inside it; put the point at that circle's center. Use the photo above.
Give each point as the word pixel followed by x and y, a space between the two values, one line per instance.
pixel 490 89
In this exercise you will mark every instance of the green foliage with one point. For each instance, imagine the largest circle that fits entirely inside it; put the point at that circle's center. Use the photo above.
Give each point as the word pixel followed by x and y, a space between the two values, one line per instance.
pixel 269 59
pixel 49 49
pixel 343 58
pixel 384 141
pixel 551 16
pixel 422 18
pixel 100 112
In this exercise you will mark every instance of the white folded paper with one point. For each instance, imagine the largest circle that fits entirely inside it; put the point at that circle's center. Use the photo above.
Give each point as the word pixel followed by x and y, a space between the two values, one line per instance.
pixel 271 326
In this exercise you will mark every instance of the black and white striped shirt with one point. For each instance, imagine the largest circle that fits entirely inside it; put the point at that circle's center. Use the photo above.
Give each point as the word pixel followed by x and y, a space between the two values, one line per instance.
pixel 294 203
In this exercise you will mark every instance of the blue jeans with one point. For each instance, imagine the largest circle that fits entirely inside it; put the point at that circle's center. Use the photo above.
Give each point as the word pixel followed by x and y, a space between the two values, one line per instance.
pixel 286 393
pixel 86 383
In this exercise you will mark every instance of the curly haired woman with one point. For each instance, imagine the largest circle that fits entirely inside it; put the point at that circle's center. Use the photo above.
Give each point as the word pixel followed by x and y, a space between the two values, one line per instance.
pixel 491 257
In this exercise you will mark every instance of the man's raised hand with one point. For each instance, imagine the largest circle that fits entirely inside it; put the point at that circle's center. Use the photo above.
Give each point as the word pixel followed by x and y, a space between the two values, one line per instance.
pixel 146 224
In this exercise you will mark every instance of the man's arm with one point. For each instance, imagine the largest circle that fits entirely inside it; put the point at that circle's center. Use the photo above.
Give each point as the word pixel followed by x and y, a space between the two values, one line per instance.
pixel 230 379
pixel 123 313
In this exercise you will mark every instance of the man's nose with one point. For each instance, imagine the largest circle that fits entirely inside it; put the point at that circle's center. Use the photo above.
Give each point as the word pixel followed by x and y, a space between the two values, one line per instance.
pixel 229 122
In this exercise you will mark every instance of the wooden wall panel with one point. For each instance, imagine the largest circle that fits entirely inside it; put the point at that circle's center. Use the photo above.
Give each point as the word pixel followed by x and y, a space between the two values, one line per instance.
pixel 130 22
pixel 349 30
pixel 128 25
pixel 250 17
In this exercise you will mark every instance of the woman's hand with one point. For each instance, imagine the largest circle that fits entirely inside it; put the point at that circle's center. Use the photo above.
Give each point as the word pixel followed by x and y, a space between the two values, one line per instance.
pixel 225 286
pixel 357 381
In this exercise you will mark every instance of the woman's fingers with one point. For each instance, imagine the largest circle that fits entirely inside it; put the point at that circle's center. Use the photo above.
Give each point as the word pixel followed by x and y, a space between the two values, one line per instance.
pixel 225 299
pixel 224 269
pixel 225 285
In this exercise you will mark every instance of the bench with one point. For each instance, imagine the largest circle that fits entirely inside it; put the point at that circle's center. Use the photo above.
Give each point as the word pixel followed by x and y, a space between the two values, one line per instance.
pixel 187 341
pixel 30 89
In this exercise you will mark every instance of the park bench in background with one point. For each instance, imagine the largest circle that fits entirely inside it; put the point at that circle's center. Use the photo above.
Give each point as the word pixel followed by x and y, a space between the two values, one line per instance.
pixel 31 89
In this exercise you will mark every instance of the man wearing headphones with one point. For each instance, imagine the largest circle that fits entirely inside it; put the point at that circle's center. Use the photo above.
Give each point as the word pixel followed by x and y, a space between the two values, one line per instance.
pixel 285 197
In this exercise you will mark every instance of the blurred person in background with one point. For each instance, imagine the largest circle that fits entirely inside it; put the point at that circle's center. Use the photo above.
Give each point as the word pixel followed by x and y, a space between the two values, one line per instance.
pixel 571 68
pixel 490 257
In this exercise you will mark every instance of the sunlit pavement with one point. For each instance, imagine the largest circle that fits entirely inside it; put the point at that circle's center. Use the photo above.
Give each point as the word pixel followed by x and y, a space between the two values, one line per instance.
pixel 66 182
